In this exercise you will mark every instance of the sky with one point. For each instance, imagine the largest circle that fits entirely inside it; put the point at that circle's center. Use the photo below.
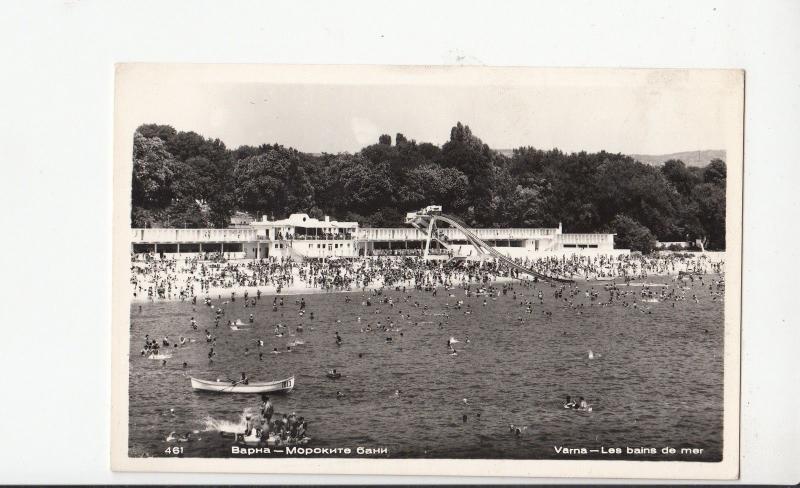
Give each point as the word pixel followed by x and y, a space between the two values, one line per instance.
pixel 631 111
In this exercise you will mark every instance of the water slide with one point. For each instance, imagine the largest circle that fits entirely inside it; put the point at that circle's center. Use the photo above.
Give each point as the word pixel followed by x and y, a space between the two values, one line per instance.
pixel 480 245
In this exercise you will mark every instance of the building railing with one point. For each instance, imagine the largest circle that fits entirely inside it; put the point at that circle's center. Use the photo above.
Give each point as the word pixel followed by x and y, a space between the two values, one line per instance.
pixel 192 235
pixel 411 234
pixel 585 238
pixel 328 236
pixel 363 234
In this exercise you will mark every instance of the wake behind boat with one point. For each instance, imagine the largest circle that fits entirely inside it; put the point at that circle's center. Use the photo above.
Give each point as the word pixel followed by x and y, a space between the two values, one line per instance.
pixel 280 386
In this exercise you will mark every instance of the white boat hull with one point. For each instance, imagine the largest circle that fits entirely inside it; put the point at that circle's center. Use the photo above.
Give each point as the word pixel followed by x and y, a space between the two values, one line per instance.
pixel 280 386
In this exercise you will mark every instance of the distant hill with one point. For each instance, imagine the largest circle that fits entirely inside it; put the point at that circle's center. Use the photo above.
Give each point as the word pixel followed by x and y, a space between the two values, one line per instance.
pixel 689 158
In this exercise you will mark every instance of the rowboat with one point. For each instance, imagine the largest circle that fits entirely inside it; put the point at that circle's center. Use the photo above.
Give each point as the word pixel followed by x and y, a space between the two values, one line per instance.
pixel 280 386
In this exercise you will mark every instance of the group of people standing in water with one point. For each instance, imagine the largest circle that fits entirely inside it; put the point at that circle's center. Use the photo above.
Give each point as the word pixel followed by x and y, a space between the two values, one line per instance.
pixel 287 429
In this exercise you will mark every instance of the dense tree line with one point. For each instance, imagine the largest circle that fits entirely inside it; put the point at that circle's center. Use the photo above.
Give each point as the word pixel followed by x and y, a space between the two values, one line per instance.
pixel 181 179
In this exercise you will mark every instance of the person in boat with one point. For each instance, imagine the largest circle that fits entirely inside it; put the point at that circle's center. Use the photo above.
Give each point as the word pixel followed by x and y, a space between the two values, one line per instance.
pixel 569 403
pixel 582 405
pixel 244 380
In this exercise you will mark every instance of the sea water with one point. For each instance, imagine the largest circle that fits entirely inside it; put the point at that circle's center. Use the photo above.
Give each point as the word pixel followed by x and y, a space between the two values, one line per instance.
pixel 655 379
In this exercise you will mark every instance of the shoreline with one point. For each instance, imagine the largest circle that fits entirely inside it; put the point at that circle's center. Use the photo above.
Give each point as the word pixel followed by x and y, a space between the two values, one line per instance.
pixel 271 290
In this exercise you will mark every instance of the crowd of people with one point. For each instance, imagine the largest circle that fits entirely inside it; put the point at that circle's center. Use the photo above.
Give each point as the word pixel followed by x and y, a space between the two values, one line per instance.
pixel 181 279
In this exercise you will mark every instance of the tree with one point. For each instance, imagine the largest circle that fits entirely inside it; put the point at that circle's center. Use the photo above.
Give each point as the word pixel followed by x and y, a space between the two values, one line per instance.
pixel 527 161
pixel 164 132
pixel 400 139
pixel 352 183
pixel 710 205
pixel 186 213
pixel 716 172
pixel 679 176
pixel 632 235
pixel 524 207
pixel 385 139
pixel 430 184
pixel 428 151
pixel 262 183
pixel 624 186
pixel 153 172
pixel 471 156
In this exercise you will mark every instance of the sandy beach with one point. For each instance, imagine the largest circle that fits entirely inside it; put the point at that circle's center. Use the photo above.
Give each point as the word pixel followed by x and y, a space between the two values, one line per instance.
pixel 701 263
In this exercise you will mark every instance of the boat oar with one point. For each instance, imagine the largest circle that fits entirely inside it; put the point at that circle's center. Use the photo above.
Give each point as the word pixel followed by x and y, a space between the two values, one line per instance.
pixel 234 383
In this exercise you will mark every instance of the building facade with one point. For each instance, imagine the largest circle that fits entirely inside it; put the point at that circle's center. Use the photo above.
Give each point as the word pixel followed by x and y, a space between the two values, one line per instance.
pixel 301 236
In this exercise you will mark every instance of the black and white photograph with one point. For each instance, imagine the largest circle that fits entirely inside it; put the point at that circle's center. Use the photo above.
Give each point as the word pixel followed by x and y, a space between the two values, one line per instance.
pixel 348 265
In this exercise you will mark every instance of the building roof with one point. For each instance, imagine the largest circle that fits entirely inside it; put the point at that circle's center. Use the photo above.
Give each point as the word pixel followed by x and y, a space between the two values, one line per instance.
pixel 303 220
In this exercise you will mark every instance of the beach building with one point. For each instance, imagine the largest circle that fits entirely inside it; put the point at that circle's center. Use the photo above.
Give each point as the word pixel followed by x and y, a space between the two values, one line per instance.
pixel 303 236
